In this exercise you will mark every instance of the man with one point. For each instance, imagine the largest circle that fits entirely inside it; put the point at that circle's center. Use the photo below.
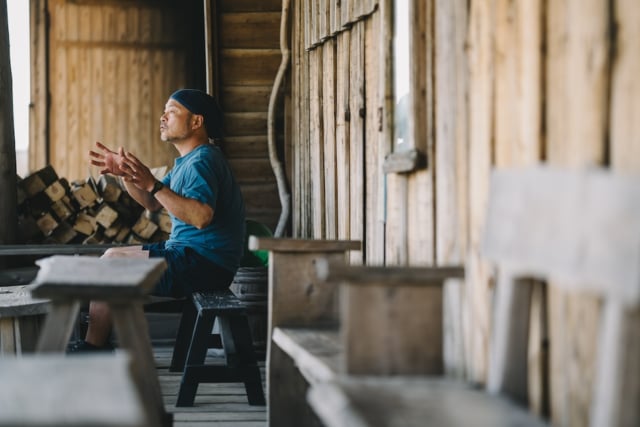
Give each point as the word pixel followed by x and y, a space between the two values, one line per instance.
pixel 201 196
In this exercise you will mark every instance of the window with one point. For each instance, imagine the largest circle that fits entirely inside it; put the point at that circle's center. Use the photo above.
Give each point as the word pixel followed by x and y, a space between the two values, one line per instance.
pixel 408 69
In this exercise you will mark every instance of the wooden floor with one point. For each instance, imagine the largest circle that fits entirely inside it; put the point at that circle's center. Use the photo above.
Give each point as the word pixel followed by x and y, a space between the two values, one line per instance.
pixel 216 405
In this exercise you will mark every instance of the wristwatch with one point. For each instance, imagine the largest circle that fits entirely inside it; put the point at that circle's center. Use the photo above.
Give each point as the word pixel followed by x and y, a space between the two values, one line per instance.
pixel 156 187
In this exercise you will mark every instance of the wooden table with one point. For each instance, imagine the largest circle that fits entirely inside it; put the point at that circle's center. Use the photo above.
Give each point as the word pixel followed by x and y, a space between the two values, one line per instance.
pixel 124 284
pixel 94 390
pixel 21 317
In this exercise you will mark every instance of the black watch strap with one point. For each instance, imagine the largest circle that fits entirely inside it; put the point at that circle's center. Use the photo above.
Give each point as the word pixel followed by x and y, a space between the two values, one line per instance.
pixel 156 187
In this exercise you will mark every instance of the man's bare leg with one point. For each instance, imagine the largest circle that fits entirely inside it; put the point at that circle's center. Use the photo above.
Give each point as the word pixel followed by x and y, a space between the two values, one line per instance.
pixel 100 321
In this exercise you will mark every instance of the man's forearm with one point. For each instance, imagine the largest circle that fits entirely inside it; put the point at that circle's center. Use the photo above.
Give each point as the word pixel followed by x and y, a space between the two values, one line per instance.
pixel 188 210
pixel 143 197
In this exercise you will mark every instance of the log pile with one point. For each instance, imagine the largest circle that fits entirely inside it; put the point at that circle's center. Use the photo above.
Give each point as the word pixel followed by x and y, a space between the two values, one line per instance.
pixel 52 210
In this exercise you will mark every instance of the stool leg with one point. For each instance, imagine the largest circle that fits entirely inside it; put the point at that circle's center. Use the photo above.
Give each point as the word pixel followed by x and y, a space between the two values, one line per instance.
pixel 195 358
pixel 246 358
pixel 183 339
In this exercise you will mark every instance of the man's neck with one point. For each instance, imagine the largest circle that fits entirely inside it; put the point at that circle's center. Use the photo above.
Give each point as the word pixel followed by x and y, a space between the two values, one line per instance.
pixel 184 147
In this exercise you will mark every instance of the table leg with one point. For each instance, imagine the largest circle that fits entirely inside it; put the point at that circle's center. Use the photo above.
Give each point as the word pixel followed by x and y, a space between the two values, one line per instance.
pixel 58 327
pixel 7 337
pixel 132 332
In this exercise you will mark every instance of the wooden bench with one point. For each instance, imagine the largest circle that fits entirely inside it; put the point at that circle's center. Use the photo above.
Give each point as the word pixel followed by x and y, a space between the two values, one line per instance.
pixel 579 229
pixel 21 315
pixel 21 319
pixel 391 324
pixel 195 337
pixel 124 284
pixel 82 391
pixel 296 298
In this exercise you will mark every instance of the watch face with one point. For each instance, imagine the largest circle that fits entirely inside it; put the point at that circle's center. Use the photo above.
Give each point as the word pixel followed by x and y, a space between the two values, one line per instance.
pixel 157 187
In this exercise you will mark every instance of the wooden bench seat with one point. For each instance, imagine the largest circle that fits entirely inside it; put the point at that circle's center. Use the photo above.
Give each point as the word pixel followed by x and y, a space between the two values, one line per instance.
pixel 376 401
pixel 54 390
pixel 580 229
pixel 412 401
pixel 195 337
pixel 317 353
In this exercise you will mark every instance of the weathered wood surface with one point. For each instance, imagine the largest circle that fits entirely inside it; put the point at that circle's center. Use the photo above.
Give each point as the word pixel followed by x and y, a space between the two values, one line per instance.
pixel 97 55
pixel 73 277
pixel 21 318
pixel 54 249
pixel 326 19
pixel 302 245
pixel 216 405
pixel 388 276
pixel 52 390
pixel 595 228
pixel 412 402
pixel 379 302
pixel 120 282
pixel 18 301
pixel 297 298
pixel 317 353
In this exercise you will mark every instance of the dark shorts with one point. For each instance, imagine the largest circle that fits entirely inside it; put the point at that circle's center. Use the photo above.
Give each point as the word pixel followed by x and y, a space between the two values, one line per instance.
pixel 187 272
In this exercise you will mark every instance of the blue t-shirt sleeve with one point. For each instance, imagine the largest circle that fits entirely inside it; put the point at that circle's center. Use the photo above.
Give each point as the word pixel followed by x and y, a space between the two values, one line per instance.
pixel 202 183
pixel 166 180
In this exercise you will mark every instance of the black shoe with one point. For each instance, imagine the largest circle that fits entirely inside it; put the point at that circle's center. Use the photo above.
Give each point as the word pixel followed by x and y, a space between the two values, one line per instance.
pixel 81 346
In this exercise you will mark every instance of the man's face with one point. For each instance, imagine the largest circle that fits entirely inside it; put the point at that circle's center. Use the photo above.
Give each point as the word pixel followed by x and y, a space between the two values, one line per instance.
pixel 175 122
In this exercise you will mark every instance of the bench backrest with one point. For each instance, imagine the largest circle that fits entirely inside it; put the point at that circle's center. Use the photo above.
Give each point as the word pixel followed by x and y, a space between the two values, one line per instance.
pixel 580 229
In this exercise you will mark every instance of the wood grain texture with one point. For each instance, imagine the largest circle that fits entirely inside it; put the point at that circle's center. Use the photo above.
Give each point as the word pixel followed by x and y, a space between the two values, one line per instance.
pixel 593 210
pixel 17 301
pixel 316 143
pixel 302 245
pixel 100 388
pixel 356 138
pixel 412 402
pixel 99 56
pixel 625 89
pixel 592 226
pixel 343 133
pixel 372 318
pixel 518 79
pixel 481 117
pixel 373 149
pixel 63 276
pixel 329 138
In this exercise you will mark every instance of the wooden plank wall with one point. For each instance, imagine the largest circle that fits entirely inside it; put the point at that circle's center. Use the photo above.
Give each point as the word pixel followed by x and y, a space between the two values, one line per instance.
pixel 249 56
pixel 334 133
pixel 513 83
pixel 112 65
pixel 577 117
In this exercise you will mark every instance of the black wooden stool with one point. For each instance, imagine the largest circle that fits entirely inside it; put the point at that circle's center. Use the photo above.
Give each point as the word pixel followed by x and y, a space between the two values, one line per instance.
pixel 195 337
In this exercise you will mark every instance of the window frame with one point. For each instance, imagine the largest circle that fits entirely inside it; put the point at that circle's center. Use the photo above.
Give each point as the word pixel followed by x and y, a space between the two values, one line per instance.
pixel 413 156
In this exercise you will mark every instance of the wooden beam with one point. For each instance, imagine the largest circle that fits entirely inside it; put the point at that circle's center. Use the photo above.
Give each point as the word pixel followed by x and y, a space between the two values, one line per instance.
pixel 8 209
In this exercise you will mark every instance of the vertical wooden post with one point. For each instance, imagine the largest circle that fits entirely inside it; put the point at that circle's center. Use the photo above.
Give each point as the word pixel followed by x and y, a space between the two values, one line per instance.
pixel 8 215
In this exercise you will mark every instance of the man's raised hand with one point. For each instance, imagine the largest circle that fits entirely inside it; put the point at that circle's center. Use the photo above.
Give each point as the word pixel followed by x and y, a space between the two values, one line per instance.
pixel 110 161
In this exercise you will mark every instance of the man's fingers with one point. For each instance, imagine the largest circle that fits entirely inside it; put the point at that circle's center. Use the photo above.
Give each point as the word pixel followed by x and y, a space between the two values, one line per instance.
pixel 103 147
pixel 96 155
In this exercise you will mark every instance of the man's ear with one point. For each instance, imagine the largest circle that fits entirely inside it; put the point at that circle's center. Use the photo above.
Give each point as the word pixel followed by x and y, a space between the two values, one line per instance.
pixel 198 121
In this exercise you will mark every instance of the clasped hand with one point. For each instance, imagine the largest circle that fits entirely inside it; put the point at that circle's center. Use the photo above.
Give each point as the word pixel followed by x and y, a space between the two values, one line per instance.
pixel 122 163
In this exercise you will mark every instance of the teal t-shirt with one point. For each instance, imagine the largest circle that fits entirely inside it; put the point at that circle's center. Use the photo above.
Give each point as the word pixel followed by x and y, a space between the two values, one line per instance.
pixel 205 175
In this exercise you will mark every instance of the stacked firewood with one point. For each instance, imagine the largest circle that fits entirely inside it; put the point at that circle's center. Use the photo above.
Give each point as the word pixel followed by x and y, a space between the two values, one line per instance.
pixel 52 210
